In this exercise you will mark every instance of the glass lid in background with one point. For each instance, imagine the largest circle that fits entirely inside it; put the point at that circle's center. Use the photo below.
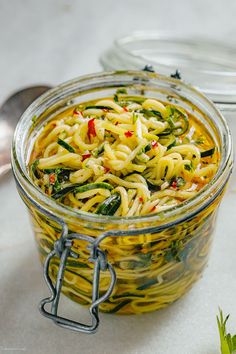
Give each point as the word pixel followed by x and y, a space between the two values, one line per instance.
pixel 205 64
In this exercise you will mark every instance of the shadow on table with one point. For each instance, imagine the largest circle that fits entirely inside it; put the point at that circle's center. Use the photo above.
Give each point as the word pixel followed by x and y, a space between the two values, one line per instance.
pixel 116 334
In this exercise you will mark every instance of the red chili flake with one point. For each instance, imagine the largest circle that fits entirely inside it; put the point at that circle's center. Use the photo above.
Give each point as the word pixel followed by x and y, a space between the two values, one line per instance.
pixel 91 128
pixel 85 156
pixel 154 143
pixel 75 112
pixel 52 125
pixel 153 208
pixel 107 169
pixel 116 123
pixel 141 199
pixel 128 134
pixel 125 109
pixel 52 178
pixel 174 184
pixel 81 113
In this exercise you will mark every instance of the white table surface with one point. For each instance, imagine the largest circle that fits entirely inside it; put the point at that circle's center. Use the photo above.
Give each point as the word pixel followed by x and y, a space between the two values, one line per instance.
pixel 43 41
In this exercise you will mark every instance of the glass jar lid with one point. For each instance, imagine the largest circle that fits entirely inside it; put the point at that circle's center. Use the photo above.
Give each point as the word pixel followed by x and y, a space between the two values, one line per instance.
pixel 208 65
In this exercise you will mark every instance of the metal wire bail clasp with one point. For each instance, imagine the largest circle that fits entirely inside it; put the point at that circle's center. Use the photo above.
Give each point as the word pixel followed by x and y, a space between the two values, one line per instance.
pixel 62 249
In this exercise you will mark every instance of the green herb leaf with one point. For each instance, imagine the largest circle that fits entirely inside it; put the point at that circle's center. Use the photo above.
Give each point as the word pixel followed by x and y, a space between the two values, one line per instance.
pixel 148 284
pixel 34 168
pixel 121 91
pixel 144 260
pixel 135 117
pixel 147 148
pixel 98 107
pixel 174 250
pixel 200 140
pixel 148 113
pixel 189 167
pixel 149 68
pixel 98 151
pixel 176 75
pixel 153 187
pixel 65 145
pixel 180 181
pixel 227 341
pixel 56 186
pixel 120 305
pixel 207 153
pixel 34 118
pixel 63 174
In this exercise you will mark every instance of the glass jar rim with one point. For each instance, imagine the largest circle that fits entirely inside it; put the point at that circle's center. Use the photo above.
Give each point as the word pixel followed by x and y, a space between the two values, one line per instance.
pixel 77 85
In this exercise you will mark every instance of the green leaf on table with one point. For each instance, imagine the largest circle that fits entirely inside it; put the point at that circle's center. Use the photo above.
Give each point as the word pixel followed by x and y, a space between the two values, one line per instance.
pixel 227 341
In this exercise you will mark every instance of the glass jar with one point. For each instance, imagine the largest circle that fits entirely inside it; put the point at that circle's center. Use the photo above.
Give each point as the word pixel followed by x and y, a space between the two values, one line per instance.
pixel 121 265
pixel 206 64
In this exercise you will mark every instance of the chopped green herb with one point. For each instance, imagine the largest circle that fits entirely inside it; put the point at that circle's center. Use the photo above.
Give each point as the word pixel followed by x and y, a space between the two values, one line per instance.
pixel 227 341
pixel 135 117
pixel 34 118
pixel 121 91
pixel 200 140
pixel 166 170
pixel 207 153
pixel 171 99
pixel 186 140
pixel 98 107
pixel 174 250
pixel 118 92
pixel 148 113
pixel 120 305
pixel 62 174
pixel 180 181
pixel 144 260
pixel 126 295
pixel 188 167
pixel 148 284
pixel 98 151
pixel 65 145
pixel 57 185
pixel 176 75
pixel 149 68
pixel 153 187
pixel 34 168
pixel 147 148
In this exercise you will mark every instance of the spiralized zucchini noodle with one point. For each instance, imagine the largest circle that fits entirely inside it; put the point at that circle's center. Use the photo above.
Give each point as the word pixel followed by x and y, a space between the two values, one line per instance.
pixel 127 156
